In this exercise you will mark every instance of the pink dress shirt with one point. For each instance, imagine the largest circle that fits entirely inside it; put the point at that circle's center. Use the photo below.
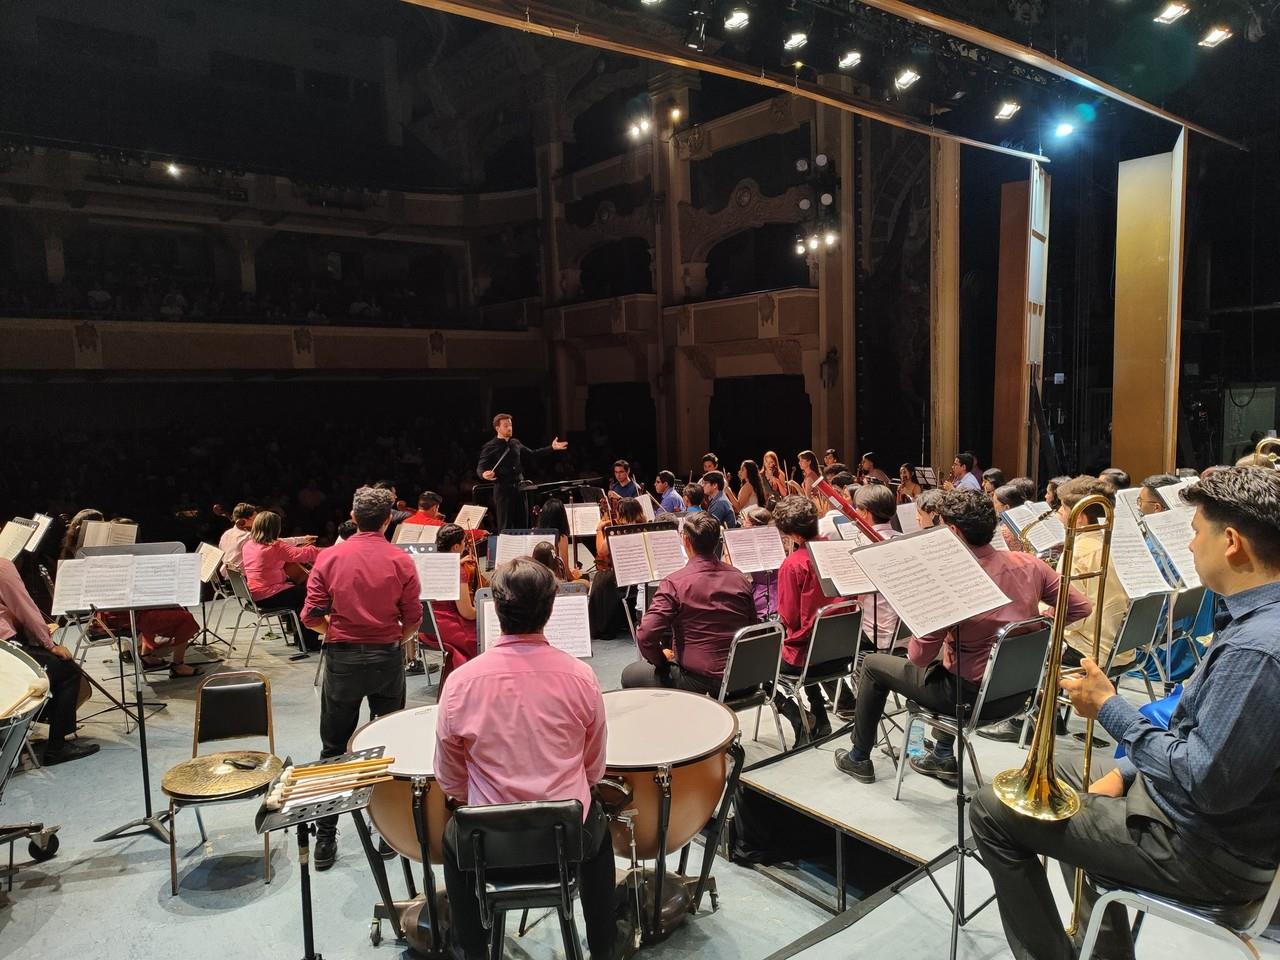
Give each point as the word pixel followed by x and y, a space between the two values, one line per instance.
pixel 368 588
pixel 1027 582
pixel 878 617
pixel 800 597
pixel 264 565
pixel 20 618
pixel 522 722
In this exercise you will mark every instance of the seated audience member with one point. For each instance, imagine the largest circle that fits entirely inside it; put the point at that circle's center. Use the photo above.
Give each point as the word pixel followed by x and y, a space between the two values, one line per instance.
pixel 23 623
pixel 604 608
pixel 428 512
pixel 542 738
pixel 688 629
pixel 764 583
pixel 800 598
pixel 875 505
pixel 694 498
pixel 930 682
pixel 273 570
pixel 1190 811
pixel 717 503
pixel 456 619
pixel 1118 479
pixel 664 485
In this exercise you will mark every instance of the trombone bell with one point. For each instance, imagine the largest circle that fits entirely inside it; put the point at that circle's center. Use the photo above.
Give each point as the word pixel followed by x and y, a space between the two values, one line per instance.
pixel 1039 797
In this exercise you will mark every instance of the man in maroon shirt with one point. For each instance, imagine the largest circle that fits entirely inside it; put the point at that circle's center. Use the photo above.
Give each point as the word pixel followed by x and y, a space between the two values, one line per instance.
pixel 362 597
pixel 1024 579
pixel 428 513
pixel 687 631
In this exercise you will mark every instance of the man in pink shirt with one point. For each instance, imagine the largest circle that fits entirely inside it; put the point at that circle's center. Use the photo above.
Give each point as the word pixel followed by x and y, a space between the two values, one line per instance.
pixel 362 597
pixel 930 682
pixel 525 722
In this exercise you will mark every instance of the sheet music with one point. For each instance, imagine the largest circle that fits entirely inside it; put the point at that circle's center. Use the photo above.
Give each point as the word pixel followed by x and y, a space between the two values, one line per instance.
pixel 512 545
pixel 439 575
pixel 210 557
pixel 755 549
pixel 1172 530
pixel 415 533
pixel 927 477
pixel 470 516
pixel 165 580
pixel 108 582
pixel 1170 494
pixel 646 505
pixel 908 518
pixel 1129 497
pixel 630 559
pixel 998 541
pixel 850 532
pixel 1135 567
pixel 68 588
pixel 569 629
pixel 833 559
pixel 42 527
pixel 488 626
pixel 931 579
pixel 1045 535
pixel 15 536
pixel 583 518
pixel 1018 517
pixel 102 533
pixel 666 551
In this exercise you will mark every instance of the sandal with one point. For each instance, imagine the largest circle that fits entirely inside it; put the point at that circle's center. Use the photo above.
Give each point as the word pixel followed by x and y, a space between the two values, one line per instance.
pixel 153 663
pixel 175 675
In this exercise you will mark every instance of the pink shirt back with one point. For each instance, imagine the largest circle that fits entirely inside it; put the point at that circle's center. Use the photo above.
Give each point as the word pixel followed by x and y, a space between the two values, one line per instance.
pixel 521 722
pixel 20 618
pixel 264 565
pixel 368 588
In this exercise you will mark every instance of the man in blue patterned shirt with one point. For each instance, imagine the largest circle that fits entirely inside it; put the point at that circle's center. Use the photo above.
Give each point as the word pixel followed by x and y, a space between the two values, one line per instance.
pixel 1192 812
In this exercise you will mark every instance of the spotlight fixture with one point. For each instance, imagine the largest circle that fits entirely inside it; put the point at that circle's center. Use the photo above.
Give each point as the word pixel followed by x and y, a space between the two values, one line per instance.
pixel 905 78
pixel 795 40
pixel 802 165
pixel 805 204
pixel 830 238
pixel 1173 11
pixel 645 125
pixel 675 114
pixel 826 199
pixel 173 170
pixel 849 59
pixel 813 242
pixel 1215 36
pixel 1064 129
pixel 650 3
pixel 634 131
pixel 821 161
pixel 737 19
pixel 1007 109
pixel 696 38
pixel 800 248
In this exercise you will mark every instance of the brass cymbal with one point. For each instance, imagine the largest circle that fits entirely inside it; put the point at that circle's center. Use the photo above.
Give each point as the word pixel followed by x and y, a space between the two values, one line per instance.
pixel 221 775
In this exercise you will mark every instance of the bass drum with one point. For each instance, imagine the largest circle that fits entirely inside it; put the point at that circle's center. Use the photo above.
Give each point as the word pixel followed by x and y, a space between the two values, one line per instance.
pixel 410 737
pixel 687 735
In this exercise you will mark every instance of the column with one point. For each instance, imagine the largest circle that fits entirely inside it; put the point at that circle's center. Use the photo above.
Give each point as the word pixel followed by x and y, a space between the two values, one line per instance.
pixel 244 244
pixel 53 231
pixel 944 303
pixel 549 132
pixel 694 386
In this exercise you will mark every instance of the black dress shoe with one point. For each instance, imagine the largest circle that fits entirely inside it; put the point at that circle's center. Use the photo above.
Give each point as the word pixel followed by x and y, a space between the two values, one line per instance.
pixel 863 771
pixel 1006 731
pixel 820 726
pixel 416 668
pixel 940 768
pixel 325 853
pixel 71 750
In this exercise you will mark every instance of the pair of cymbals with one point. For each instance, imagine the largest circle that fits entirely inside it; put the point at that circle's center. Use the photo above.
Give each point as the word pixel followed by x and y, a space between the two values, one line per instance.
pixel 222 776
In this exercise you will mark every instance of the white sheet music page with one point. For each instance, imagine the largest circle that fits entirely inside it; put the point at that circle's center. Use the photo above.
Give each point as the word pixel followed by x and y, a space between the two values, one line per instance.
pixel 108 582
pixel 630 559
pixel 439 575
pixel 833 559
pixel 68 588
pixel 646 505
pixel 488 616
pixel 412 532
pixel 210 557
pixel 187 587
pixel 14 537
pixel 666 551
pixel 755 549
pixel 1129 497
pixel 470 516
pixel 908 518
pixel 42 527
pixel 512 545
pixel 122 534
pixel 165 580
pixel 1135 567
pixel 1172 530
pixel 1171 495
pixel 1018 517
pixel 583 518
pixel 569 628
pixel 931 579
pixel 998 541
pixel 850 532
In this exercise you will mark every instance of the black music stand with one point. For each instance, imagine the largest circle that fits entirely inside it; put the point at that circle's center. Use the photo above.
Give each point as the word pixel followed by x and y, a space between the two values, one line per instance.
pixel 301 817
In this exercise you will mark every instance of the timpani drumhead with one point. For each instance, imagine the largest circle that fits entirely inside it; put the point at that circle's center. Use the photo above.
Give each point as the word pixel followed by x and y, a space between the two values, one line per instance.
pixel 650 728
pixel 23 685
pixel 408 735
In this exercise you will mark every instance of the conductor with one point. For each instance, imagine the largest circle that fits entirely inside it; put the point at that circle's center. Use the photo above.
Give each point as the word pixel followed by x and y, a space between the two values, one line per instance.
pixel 502 462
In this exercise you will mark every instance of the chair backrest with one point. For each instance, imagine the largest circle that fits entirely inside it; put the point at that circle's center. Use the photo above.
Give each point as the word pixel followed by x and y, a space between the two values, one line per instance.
pixel 755 656
pixel 240 587
pixel 233 705
pixel 837 631
pixel 1187 603
pixel 514 835
pixel 1015 663
pixel 1145 617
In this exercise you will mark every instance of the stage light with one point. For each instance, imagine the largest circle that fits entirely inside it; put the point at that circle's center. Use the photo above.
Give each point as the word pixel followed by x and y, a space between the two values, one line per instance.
pixel 737 19
pixel 830 238
pixel 800 248
pixel 802 165
pixel 805 204
pixel 849 59
pixel 813 242
pixel 821 161
pixel 634 131
pixel 1173 11
pixel 675 114
pixel 795 40
pixel 696 38
pixel 1064 129
pixel 645 125
pixel 826 199
pixel 1008 109
pixel 650 3
pixel 1215 36
pixel 173 170
pixel 905 78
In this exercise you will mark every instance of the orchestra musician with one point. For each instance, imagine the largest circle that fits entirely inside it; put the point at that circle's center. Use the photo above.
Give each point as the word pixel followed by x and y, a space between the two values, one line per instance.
pixel 875 505
pixel 622 484
pixel 428 512
pixel 829 457
pixel 764 583
pixel 456 620
pixel 604 606
pixel 362 596
pixel 553 516
pixel 234 538
pixel 909 486
pixel 869 468
pixel 717 501
pixel 774 477
pixel 1189 811
pixel 809 473
pixel 664 485
pixel 1025 580
pixel 992 477
pixel 927 506
pixel 273 570
pixel 502 462
pixel 688 629
pixel 542 738
pixel 751 490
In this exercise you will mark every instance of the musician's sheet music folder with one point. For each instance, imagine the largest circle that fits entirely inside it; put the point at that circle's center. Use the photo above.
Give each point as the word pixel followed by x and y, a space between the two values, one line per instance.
pixel 645 552
pixel 122 582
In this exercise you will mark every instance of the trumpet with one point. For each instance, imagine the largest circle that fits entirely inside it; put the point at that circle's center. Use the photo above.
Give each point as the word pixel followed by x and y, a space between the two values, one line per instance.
pixel 1035 790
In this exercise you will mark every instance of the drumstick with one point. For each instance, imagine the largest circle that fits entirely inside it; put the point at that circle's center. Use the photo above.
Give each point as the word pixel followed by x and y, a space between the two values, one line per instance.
pixel 302 773
pixel 36 688
pixel 277 798
pixel 314 783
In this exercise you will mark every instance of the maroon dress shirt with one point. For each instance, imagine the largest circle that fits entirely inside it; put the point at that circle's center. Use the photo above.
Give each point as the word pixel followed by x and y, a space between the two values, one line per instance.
pixel 368 588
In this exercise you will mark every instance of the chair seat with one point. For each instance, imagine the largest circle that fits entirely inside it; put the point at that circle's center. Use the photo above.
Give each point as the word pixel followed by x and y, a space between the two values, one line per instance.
pixel 744 699
pixel 221 776
pixel 1237 916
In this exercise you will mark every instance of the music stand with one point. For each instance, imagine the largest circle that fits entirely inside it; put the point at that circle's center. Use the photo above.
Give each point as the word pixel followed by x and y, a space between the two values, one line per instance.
pixel 632 529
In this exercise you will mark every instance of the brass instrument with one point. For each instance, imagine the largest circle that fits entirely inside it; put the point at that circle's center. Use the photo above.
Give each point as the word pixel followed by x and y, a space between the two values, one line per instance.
pixel 1035 790
pixel 1263 451
pixel 1024 537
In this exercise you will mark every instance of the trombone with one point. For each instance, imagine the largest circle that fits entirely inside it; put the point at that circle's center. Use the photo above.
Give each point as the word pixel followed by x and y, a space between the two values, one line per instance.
pixel 1035 790
pixel 1262 454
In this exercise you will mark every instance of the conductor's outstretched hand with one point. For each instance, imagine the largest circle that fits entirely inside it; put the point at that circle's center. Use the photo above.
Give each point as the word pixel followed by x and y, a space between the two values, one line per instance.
pixel 558 444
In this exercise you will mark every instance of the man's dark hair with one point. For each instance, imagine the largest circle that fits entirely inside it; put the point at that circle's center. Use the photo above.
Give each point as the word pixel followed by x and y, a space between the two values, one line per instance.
pixel 667 477
pixel 1247 499
pixel 1010 494
pixel 1158 480
pixel 623 464
pixel 714 477
pixel 841 479
pixel 428 499
pixel 448 537
pixel 711 458
pixel 831 452
pixel 243 511
pixel 371 508
pixel 971 513
pixel 877 500
pixel 703 531
pixel 347 529
pixel 1026 486
pixel 797 516
pixel 1116 477
pixel 523 594
pixel 499 417
pixel 994 476
pixel 694 493
pixel 1077 488
pixel 832 470
pixel 966 460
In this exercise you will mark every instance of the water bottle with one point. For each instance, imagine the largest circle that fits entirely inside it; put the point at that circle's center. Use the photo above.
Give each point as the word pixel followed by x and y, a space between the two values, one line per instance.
pixel 915 743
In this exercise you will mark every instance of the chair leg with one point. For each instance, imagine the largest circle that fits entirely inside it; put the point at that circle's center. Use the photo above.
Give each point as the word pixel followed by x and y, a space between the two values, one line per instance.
pixel 257 625
pixel 755 737
pixel 973 759
pixel 173 850
pixel 902 753
pixel 266 858
pixel 1091 932
pixel 497 935
pixel 777 724
pixel 569 933
pixel 204 837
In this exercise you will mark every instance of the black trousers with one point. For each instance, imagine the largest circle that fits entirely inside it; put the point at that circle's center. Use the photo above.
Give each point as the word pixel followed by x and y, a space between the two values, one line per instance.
pixel 293 599
pixel 596 884
pixel 509 508
pixel 933 687
pixel 64 687
pixel 1127 840
pixel 642 673
pixel 605 613
pixel 353 674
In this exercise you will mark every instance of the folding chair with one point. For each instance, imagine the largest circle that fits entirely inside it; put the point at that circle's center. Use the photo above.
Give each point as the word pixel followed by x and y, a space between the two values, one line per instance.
pixel 751 672
pixel 834 642
pixel 249 605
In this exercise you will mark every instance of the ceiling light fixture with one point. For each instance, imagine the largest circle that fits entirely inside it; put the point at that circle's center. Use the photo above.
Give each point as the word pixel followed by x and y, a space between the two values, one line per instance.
pixel 849 60
pixel 1008 109
pixel 737 19
pixel 830 238
pixel 1215 36
pixel 905 78
pixel 1173 11
pixel 1064 129
pixel 173 170
pixel 795 40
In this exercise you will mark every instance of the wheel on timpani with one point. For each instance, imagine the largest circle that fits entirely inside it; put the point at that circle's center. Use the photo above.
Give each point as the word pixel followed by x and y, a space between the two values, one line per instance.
pixel 687 734
pixel 410 737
